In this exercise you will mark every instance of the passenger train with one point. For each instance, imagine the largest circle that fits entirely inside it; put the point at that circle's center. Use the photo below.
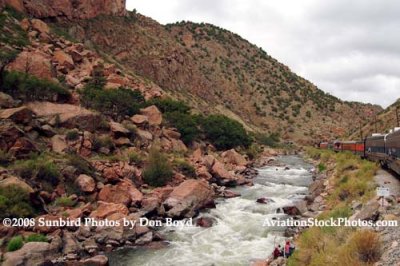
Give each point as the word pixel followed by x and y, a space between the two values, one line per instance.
pixel 381 148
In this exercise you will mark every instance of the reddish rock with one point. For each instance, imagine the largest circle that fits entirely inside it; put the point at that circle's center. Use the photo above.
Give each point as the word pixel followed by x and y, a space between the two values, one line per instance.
pixel 58 144
pixel 105 209
pixel 205 222
pixel 219 170
pixel 16 4
pixel 66 115
pixel 197 155
pixel 9 133
pixel 33 62
pixel 86 183
pixel 99 260
pixel 264 200
pixel 15 181
pixel 63 59
pixel 139 119
pixel 18 115
pixel 80 9
pixel 6 101
pixel 233 157
pixel 171 134
pixel 153 115
pixel 22 148
pixel 124 193
pixel 118 130
pixel 187 198
pixel 40 26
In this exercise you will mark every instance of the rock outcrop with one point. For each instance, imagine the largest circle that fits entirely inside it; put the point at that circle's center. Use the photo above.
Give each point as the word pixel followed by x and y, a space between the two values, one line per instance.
pixel 187 198
pixel 70 9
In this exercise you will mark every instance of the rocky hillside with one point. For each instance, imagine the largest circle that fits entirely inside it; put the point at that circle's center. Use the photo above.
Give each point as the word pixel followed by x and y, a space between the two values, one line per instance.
pixel 217 71
pixel 83 138
pixel 383 122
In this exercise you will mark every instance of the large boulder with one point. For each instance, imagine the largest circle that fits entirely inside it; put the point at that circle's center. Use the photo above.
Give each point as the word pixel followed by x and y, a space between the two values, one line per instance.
pixel 40 26
pixel 59 144
pixel 9 133
pixel 369 212
pixel 234 158
pixel 15 181
pixel 33 62
pixel 86 183
pixel 187 198
pixel 6 101
pixel 18 115
pixel 105 209
pixel 99 260
pixel 123 193
pixel 63 59
pixel 32 253
pixel 66 115
pixel 153 115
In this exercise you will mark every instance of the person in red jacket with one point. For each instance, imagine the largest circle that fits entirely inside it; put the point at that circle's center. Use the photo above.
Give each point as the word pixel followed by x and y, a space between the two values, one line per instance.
pixel 287 249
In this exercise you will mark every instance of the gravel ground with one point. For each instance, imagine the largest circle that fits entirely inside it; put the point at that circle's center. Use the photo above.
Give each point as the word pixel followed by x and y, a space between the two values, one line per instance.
pixel 390 235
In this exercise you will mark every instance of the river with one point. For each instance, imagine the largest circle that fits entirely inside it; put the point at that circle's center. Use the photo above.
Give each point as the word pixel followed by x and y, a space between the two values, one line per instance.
pixel 238 236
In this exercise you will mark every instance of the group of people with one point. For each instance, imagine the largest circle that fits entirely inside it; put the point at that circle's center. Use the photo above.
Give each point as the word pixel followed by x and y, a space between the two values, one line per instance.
pixel 285 252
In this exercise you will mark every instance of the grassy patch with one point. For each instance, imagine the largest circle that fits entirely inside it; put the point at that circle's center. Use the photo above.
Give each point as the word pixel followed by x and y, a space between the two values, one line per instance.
pixel 353 180
pixel 158 170
pixel 185 168
pixel 15 202
pixel 36 238
pixel 15 243
pixel 26 87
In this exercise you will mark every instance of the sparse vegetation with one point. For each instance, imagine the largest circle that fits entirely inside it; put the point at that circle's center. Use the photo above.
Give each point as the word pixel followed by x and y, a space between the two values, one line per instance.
pixel 30 88
pixel 185 168
pixel 72 135
pixel 64 202
pixel 341 245
pixel 36 238
pixel 158 170
pixel 15 203
pixel 116 103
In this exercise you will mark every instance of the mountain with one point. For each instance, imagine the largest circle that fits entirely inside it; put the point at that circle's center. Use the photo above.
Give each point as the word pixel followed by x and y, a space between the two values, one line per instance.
pixel 217 71
pixel 382 122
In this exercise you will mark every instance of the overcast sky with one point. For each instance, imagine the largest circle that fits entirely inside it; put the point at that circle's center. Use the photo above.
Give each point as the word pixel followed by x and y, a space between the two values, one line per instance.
pixel 349 48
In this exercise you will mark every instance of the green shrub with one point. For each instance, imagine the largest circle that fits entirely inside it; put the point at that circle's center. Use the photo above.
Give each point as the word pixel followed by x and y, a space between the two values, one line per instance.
pixel 36 238
pixel 158 171
pixel 82 165
pixel 103 142
pixel 113 102
pixel 225 133
pixel 30 88
pixel 185 168
pixel 15 243
pixel 15 203
pixel 271 140
pixel 64 202
pixel 135 158
pixel 186 125
pixel 321 167
pixel 72 135
pixel 5 158
pixel 39 167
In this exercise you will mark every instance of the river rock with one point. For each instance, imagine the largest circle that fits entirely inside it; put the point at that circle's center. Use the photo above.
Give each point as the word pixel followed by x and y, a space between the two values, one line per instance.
pixel 187 198
pixel 205 222
pixel 99 260
pixel 32 253
pixel 265 200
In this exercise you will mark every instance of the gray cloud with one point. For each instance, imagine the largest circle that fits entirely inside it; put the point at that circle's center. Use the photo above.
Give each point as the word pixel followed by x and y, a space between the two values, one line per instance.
pixel 347 48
